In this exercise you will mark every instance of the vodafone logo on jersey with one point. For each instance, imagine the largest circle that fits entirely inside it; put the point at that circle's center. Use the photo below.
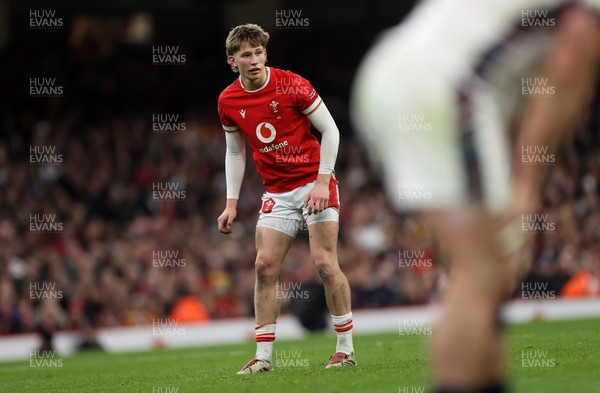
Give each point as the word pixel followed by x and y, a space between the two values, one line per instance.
pixel 265 132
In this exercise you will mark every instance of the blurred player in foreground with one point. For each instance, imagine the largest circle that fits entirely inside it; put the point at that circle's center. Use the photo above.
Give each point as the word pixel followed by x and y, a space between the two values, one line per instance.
pixel 274 109
pixel 437 101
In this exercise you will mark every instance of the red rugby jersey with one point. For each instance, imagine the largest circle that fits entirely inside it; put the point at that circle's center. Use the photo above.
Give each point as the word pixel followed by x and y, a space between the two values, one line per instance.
pixel 273 118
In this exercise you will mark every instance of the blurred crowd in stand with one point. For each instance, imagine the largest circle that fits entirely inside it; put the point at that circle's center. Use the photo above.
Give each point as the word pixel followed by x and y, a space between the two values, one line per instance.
pixel 99 270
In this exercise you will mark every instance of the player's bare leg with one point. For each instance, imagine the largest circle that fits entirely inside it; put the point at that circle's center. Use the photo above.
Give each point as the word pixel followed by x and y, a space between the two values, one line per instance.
pixel 271 248
pixel 468 353
pixel 323 250
pixel 467 343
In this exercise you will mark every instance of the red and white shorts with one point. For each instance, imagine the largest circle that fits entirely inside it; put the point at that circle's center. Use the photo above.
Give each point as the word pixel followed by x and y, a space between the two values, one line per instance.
pixel 285 211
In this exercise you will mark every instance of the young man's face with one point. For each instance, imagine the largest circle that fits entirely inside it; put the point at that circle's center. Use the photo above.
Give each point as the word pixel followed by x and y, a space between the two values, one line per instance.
pixel 250 62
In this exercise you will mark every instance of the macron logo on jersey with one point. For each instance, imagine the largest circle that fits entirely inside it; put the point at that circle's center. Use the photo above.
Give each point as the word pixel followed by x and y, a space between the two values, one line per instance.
pixel 243 113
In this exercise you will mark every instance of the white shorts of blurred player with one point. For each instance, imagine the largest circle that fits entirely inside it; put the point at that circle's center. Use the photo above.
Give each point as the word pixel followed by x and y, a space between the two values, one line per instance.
pixel 440 140
pixel 285 212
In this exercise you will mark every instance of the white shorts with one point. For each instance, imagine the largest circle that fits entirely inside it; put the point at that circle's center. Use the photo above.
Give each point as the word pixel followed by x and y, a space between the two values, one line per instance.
pixel 438 147
pixel 285 212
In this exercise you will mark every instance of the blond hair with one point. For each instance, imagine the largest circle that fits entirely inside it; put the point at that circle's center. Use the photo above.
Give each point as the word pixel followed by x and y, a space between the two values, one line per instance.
pixel 250 33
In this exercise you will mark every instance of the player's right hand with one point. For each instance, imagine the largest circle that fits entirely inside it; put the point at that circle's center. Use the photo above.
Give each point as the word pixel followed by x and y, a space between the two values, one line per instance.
pixel 226 219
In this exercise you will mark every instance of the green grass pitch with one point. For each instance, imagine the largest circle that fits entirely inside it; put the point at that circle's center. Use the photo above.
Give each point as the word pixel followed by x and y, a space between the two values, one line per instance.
pixel 544 357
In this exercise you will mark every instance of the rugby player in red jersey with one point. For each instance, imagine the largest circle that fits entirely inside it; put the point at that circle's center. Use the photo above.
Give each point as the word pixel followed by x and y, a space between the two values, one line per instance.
pixel 273 109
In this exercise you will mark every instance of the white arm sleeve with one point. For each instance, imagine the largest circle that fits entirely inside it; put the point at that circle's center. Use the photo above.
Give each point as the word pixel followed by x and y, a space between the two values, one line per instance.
pixel 235 163
pixel 324 123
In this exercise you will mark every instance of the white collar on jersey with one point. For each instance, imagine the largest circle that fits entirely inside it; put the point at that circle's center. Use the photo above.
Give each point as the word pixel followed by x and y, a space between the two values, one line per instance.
pixel 260 88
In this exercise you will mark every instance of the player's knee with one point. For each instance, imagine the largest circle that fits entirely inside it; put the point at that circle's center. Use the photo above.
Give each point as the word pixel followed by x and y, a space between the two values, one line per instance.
pixel 326 268
pixel 266 268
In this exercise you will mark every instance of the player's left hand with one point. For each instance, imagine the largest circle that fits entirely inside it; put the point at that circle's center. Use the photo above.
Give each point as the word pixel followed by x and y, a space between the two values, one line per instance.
pixel 317 199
